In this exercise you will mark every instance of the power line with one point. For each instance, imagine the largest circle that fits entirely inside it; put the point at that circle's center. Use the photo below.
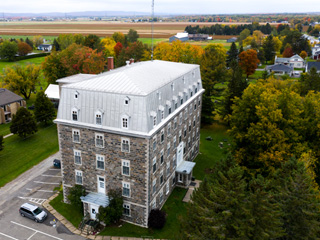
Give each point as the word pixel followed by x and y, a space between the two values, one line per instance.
pixel 152 28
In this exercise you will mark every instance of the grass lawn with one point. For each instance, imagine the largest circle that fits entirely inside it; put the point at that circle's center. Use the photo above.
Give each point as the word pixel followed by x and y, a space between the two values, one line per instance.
pixel 36 61
pixel 155 40
pixel 19 155
pixel 49 38
pixel 69 211
pixel 210 152
pixel 5 129
pixel 174 207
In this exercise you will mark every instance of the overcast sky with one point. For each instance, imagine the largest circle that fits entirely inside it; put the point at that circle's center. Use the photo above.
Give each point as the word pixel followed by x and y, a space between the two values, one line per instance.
pixel 162 6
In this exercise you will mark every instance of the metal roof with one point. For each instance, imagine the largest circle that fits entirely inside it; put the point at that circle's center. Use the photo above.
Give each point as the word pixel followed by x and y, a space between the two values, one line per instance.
pixel 136 79
pixel 75 78
pixel 313 64
pixel 98 199
pixel 185 167
pixel 280 67
pixel 52 91
pixel 7 97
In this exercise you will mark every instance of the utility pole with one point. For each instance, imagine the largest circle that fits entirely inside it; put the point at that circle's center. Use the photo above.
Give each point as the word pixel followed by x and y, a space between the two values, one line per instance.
pixel 152 17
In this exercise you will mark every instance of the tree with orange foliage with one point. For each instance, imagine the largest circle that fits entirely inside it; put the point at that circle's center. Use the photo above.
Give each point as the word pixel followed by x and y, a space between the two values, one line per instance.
pixel 287 53
pixel 249 61
pixel 117 48
pixel 303 54
pixel 24 49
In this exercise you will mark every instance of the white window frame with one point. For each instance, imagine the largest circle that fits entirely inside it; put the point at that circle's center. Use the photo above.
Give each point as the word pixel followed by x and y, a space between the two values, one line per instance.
pixel 168 169
pixel 126 185
pixel 100 158
pixel 125 122
pixel 180 118
pixel 126 101
pixel 190 109
pixel 125 141
pixel 154 164
pixel 127 207
pixel 175 123
pixel 161 157
pixel 190 126
pixel 154 143
pixel 75 132
pixel 169 130
pixel 75 112
pixel 77 153
pixel 125 164
pixel 161 114
pixel 168 149
pixel 185 113
pixel 174 142
pixel 76 95
pixel 99 137
pixel 161 175
pixel 154 204
pixel 154 186
pixel 78 173
pixel 167 187
pixel 180 136
pixel 161 196
pixel 162 136
pixel 97 115
pixel 154 121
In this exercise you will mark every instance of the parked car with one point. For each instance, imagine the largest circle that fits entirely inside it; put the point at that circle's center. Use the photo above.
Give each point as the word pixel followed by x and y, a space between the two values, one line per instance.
pixel 33 212
pixel 57 163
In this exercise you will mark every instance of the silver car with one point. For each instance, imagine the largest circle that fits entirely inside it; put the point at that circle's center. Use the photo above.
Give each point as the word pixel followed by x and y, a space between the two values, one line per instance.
pixel 33 212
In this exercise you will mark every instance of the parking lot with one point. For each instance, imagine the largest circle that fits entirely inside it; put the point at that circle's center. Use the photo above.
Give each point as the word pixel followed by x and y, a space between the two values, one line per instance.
pixel 35 191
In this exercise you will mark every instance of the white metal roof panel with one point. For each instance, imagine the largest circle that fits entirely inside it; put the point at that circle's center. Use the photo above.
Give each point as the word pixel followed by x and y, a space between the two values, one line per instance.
pixel 185 167
pixel 76 78
pixel 96 198
pixel 52 91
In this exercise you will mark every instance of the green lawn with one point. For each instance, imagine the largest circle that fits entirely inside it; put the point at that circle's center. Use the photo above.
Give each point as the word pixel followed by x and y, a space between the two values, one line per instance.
pixel 69 211
pixel 210 152
pixel 174 207
pixel 49 38
pixel 155 40
pixel 19 155
pixel 5 129
pixel 36 61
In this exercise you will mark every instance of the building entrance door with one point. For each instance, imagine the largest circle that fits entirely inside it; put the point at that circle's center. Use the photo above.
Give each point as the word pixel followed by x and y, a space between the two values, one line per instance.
pixel 101 185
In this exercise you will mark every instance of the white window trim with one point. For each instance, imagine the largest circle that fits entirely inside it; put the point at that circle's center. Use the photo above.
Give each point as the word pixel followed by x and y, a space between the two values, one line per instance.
pixel 95 117
pixel 75 176
pixel 161 174
pixel 161 195
pixel 76 95
pixel 154 204
pixel 169 127
pixel 123 164
pixel 154 161
pixel 73 131
pixel 129 207
pixel 126 99
pixel 74 156
pixel 77 112
pixel 154 183
pixel 104 163
pixel 123 117
pixel 154 140
pixel 129 187
pixel 125 139
pixel 161 134
pixel 162 155
pixel 96 137
pixel 168 187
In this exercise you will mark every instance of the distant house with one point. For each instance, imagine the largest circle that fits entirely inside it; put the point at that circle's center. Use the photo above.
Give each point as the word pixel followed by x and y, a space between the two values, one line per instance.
pixel 313 64
pixel 280 69
pixel 316 52
pixel 295 61
pixel 45 47
pixel 231 40
pixel 9 104
pixel 199 37
pixel 180 36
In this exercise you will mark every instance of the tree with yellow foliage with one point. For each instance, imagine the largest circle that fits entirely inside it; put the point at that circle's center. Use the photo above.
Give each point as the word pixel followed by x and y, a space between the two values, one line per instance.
pixel 108 44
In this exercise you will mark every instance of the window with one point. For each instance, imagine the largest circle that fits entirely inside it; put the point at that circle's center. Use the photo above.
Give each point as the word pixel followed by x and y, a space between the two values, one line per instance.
pixel 98 118
pixel 76 135
pixel 169 110
pixel 74 115
pixel 194 121
pixel 195 106
pixel 168 149
pixel 154 183
pixel 174 161
pixel 199 102
pixel 99 140
pixel 125 122
pixel 78 177
pixel 191 94
pixel 185 113
pixel 169 129
pixel 162 114
pixel 186 97
pixel 125 189
pixel 168 169
pixel 161 195
pixel 154 165
pixel 125 145
pixel 175 105
pixel 180 119
pixel 193 137
pixel 196 90
pixel 161 157
pixel 190 109
pixel 185 131
pixel 76 95
pixel 167 188
pixel 125 167
pixel 126 101
pixel 172 86
pixel 180 136
pixel 155 121
pixel 181 101
pixel 154 204
pixel 162 136
pixel 126 209
pixel 189 126
pixel 154 143
pixel 174 142
pixel 161 177
pixel 100 162
pixel 175 123
pixel 189 142
pixel 77 157
pixel 198 116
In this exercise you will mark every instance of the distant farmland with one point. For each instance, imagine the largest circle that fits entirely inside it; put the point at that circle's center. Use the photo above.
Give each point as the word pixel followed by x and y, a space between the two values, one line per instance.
pixel 102 29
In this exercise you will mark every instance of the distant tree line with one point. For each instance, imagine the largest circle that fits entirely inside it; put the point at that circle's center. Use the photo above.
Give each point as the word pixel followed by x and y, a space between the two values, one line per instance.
pixel 219 29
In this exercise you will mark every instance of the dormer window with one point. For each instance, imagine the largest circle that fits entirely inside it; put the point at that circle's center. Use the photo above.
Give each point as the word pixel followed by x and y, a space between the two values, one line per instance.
pixel 98 118
pixel 159 93
pixel 172 86
pixel 126 101
pixel 74 114
pixel 76 95
pixel 155 121
pixel 125 122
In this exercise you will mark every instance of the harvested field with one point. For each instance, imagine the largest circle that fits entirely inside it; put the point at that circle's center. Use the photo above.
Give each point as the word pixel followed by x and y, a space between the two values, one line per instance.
pixel 161 30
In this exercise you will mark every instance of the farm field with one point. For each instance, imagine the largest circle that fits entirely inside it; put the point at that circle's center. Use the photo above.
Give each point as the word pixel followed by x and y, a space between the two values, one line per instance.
pixel 102 29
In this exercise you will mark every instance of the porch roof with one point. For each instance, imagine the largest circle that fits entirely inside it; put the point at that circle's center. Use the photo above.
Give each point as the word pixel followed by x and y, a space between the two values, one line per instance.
pixel 99 199
pixel 185 167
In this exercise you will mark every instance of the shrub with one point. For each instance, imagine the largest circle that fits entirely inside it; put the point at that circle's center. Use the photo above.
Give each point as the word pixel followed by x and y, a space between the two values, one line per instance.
pixel 157 219
pixel 113 212
pixel 74 196
pixel 1 142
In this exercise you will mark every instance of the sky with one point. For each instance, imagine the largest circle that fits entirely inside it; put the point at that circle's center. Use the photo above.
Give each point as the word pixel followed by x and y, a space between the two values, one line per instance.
pixel 162 6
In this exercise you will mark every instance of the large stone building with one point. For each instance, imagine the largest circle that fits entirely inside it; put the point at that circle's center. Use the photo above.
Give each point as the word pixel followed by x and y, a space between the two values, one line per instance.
pixel 135 128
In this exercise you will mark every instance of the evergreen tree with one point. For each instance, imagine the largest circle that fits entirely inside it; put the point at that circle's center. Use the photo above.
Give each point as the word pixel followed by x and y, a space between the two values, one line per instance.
pixel 56 45
pixel 44 109
pixel 132 36
pixel 232 54
pixel 1 142
pixel 261 55
pixel 241 49
pixel 299 198
pixel 23 123
pixel 269 48
pixel 310 81
pixel 28 41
